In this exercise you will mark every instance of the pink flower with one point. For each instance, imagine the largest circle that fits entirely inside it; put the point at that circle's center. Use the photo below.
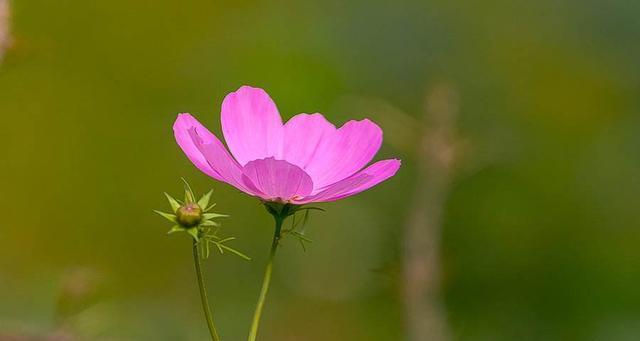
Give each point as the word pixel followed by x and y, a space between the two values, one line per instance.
pixel 302 161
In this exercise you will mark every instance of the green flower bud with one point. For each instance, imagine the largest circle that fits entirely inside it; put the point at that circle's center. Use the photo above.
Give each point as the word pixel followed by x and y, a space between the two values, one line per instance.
pixel 189 215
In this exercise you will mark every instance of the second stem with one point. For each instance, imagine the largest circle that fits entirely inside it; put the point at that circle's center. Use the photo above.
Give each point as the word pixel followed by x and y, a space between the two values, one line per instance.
pixel 279 219
pixel 203 293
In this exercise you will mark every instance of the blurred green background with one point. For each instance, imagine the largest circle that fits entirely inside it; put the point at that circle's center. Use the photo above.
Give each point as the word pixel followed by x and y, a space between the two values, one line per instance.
pixel 539 229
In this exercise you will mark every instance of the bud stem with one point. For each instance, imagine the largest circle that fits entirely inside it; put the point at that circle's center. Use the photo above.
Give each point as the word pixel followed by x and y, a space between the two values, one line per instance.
pixel 279 219
pixel 203 293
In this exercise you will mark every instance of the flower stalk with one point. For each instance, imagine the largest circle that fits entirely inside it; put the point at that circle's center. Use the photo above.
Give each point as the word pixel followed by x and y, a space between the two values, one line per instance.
pixel 203 292
pixel 279 212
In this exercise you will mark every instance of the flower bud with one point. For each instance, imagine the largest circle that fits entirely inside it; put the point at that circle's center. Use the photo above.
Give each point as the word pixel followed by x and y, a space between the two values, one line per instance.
pixel 189 215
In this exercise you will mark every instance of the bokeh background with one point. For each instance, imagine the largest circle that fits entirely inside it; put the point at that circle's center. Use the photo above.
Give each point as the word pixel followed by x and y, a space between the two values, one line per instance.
pixel 514 217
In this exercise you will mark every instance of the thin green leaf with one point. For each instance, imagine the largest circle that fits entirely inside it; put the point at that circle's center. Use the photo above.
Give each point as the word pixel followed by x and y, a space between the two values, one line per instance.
pixel 175 228
pixel 194 233
pixel 207 250
pixel 209 223
pixel 305 218
pixel 234 251
pixel 175 205
pixel 226 240
pixel 189 196
pixel 302 237
pixel 219 248
pixel 214 215
pixel 168 216
pixel 204 201
pixel 210 233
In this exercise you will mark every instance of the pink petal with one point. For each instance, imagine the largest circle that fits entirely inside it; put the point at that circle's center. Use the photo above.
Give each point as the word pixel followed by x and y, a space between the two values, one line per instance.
pixel 251 125
pixel 181 128
pixel 361 181
pixel 209 154
pixel 303 135
pixel 344 152
pixel 278 179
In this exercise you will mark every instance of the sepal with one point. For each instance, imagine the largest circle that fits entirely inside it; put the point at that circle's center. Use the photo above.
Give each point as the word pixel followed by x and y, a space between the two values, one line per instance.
pixel 194 232
pixel 176 228
pixel 170 217
pixel 204 201
pixel 175 205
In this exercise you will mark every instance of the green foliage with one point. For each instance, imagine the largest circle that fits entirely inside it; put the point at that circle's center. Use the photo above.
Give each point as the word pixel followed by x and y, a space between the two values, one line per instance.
pixel 298 226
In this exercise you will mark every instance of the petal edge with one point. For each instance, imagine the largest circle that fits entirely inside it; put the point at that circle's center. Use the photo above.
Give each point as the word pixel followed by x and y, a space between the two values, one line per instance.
pixel 359 182
pixel 184 122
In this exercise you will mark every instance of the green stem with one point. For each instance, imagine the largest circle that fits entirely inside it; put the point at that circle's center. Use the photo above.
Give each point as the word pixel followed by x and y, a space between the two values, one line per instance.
pixel 203 293
pixel 266 279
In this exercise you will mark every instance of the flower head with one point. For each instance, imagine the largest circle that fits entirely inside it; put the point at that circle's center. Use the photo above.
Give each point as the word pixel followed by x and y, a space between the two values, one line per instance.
pixel 305 160
pixel 189 215
pixel 196 219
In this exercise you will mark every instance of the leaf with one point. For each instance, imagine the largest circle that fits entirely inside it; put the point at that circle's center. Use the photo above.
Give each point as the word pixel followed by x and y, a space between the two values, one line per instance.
pixel 226 240
pixel 214 215
pixel 170 217
pixel 209 223
pixel 210 207
pixel 210 232
pixel 304 247
pixel 207 250
pixel 305 219
pixel 194 233
pixel 301 237
pixel 175 228
pixel 234 251
pixel 204 201
pixel 175 205
pixel 219 248
pixel 189 197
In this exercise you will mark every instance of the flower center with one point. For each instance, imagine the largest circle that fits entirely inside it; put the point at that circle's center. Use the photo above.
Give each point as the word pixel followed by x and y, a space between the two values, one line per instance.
pixel 189 215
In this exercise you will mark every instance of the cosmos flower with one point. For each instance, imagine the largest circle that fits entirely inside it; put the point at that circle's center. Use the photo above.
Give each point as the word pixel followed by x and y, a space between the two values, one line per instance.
pixel 305 160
